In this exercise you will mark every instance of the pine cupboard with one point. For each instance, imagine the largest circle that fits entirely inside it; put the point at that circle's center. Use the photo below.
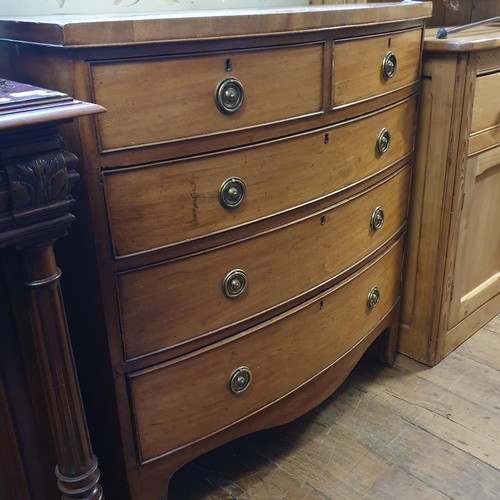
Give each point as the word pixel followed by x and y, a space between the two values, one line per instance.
pixel 241 218
pixel 452 270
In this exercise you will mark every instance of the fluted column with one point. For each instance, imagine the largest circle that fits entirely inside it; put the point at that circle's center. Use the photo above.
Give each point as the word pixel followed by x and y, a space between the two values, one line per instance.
pixel 36 176
pixel 77 470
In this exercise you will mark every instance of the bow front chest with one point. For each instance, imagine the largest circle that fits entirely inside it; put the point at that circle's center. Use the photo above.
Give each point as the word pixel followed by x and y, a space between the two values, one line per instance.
pixel 241 217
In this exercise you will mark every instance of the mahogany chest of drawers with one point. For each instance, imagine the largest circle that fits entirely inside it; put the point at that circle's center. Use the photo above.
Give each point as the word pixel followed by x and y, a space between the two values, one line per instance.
pixel 239 238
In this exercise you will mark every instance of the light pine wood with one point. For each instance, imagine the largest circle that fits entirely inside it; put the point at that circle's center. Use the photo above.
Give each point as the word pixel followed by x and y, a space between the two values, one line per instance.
pixel 452 268
pixel 477 267
pixel 488 60
pixel 480 38
pixel 444 441
pixel 472 323
pixel 485 113
pixel 441 118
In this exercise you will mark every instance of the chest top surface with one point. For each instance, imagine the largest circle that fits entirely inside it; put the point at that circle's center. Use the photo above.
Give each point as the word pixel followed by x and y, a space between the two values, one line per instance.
pixel 482 37
pixel 87 30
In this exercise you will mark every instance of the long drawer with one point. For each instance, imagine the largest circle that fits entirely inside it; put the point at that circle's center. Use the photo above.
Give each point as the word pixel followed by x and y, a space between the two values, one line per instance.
pixel 168 304
pixel 176 98
pixel 163 204
pixel 191 398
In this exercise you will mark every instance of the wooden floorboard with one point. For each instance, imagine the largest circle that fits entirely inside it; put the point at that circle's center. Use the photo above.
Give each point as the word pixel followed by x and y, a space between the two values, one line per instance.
pixel 408 432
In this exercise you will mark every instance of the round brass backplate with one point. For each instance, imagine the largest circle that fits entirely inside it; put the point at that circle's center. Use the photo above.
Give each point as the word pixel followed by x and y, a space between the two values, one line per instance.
pixel 229 95
pixel 240 380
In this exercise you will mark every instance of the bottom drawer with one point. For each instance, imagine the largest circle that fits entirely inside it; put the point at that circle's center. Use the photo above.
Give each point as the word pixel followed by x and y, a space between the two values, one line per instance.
pixel 187 399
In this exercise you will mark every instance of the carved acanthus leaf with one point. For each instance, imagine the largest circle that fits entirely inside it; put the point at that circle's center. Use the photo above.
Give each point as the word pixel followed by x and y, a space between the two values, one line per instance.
pixel 37 181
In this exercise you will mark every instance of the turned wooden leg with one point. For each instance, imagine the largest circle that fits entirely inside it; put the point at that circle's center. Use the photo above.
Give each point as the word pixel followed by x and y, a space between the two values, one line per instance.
pixel 77 469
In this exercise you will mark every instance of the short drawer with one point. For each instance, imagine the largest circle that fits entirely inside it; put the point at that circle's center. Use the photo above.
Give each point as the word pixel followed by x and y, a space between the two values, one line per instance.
pixel 164 204
pixel 368 67
pixel 485 122
pixel 171 303
pixel 188 399
pixel 158 100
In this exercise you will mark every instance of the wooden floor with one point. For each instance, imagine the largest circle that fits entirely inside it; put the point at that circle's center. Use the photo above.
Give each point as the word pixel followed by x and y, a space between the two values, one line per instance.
pixel 410 432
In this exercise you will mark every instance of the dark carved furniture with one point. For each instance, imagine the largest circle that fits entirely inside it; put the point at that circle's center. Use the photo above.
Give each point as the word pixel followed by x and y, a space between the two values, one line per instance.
pixel 36 177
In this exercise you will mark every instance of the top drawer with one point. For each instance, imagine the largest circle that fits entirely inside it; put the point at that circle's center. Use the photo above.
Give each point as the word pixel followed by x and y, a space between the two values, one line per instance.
pixel 163 99
pixel 485 123
pixel 367 67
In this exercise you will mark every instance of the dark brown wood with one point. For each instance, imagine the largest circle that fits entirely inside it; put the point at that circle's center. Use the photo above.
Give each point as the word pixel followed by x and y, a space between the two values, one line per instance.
pixel 36 176
pixel 77 469
pixel 458 12
pixel 25 403
pixel 13 482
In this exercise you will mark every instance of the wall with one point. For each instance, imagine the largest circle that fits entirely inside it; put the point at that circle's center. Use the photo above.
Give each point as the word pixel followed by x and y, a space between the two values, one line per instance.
pixel 465 11
pixel 37 7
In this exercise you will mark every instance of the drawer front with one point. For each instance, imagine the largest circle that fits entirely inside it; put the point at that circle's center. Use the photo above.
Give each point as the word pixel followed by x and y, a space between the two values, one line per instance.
pixel 189 399
pixel 476 278
pixel 485 122
pixel 486 107
pixel 154 206
pixel 159 100
pixel 168 304
pixel 361 67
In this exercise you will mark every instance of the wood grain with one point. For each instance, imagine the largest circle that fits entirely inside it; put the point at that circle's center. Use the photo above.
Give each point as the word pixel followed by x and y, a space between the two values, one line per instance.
pixel 80 30
pixel 167 203
pixel 130 308
pixel 279 84
pixel 477 268
pixel 168 304
pixel 485 113
pixel 452 274
pixel 357 66
pixel 479 38
pixel 274 352
pixel 441 434
pixel 468 11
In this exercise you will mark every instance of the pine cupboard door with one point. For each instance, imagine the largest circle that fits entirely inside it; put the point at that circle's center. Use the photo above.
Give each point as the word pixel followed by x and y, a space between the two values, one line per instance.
pixel 477 268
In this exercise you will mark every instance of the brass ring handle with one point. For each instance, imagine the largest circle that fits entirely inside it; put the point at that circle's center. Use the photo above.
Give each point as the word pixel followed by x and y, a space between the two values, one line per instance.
pixel 229 96
pixel 373 298
pixel 389 64
pixel 231 192
pixel 377 219
pixel 240 380
pixel 383 141
pixel 235 283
